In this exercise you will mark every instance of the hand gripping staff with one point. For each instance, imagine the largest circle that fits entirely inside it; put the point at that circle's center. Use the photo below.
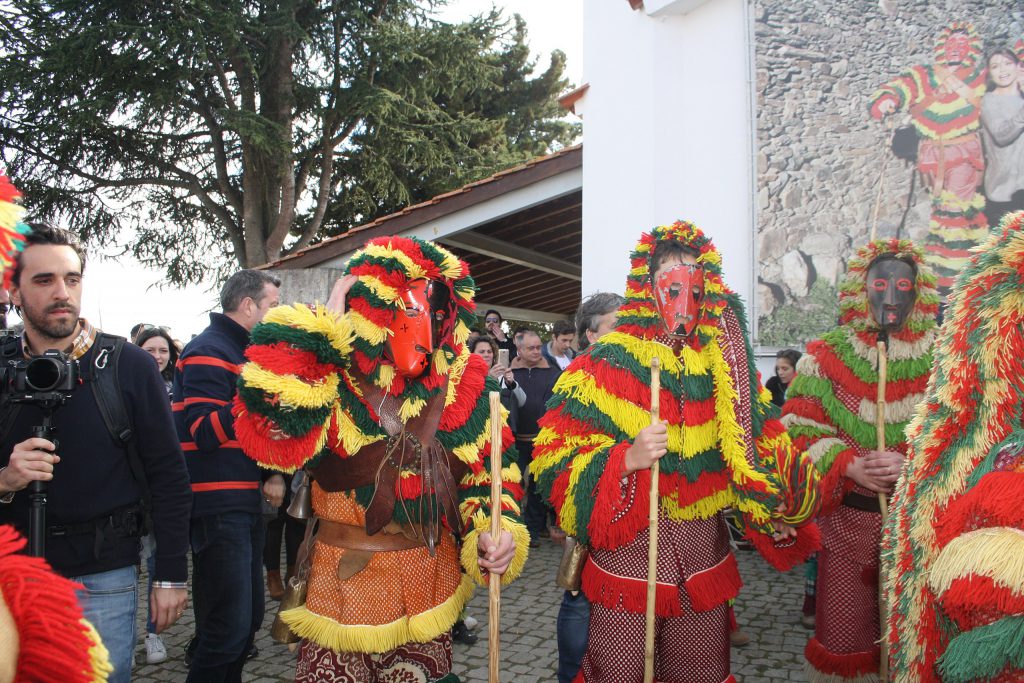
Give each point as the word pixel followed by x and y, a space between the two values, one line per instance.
pixel 494 587
pixel 652 545
pixel 883 503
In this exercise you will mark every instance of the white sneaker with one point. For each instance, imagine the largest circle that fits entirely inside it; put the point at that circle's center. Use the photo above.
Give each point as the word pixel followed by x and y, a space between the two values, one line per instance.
pixel 470 622
pixel 155 650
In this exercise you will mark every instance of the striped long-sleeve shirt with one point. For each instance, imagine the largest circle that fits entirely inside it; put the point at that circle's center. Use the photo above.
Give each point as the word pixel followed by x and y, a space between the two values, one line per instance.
pixel 205 382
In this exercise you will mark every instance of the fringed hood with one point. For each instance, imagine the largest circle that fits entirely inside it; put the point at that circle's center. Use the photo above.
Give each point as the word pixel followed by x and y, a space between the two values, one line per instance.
pixel 385 267
pixel 639 315
pixel 12 230
pixel 956 512
pixel 974 43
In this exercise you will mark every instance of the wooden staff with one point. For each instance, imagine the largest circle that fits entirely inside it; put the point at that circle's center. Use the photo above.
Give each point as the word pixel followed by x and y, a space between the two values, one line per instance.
pixel 494 587
pixel 652 546
pixel 883 504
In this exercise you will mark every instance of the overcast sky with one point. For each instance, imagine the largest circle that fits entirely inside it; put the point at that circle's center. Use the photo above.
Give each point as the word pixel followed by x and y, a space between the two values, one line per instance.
pixel 119 293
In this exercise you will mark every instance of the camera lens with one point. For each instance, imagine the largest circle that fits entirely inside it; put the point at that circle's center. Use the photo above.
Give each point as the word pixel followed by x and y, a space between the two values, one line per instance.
pixel 43 374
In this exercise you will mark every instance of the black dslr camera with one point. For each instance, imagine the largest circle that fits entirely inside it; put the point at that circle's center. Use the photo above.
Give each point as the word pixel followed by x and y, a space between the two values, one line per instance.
pixel 46 380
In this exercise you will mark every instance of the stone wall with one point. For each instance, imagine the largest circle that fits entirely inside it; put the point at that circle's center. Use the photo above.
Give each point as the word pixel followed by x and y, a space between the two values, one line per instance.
pixel 821 158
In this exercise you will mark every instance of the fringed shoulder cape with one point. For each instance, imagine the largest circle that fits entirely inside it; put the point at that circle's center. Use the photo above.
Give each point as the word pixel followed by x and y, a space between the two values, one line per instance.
pixel 300 401
pixel 726 448
pixel 954 545
pixel 831 403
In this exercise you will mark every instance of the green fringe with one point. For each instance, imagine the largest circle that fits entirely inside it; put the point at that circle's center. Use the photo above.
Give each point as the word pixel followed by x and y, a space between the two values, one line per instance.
pixel 984 652
pixel 897 370
pixel 291 421
pixel 862 432
pixel 824 463
pixel 271 333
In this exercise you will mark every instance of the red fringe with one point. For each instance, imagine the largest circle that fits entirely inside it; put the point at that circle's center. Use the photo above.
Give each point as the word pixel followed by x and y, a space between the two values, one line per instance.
pixel 266 446
pixel 994 501
pixel 53 643
pixel 792 552
pixel 622 383
pixel 627 594
pixel 977 600
pixel 468 396
pixel 284 359
pixel 707 484
pixel 392 278
pixel 844 665
pixel 713 586
pixel 834 483
pixel 834 368
pixel 605 530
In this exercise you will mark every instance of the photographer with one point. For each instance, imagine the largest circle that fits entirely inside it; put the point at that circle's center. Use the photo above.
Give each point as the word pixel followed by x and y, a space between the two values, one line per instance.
pixel 99 487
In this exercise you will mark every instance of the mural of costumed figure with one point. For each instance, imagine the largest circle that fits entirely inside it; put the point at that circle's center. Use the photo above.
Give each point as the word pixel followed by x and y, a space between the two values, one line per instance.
pixel 720 445
pixel 388 410
pixel 954 545
pixel 830 413
pixel 944 102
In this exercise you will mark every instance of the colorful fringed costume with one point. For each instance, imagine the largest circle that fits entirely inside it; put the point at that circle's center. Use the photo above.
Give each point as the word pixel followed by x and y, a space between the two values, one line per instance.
pixel 954 545
pixel 830 414
pixel 12 230
pixel 43 635
pixel 944 102
pixel 725 449
pixel 305 400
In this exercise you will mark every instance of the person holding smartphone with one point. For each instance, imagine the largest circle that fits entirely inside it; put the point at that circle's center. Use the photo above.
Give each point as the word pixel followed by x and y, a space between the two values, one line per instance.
pixel 494 322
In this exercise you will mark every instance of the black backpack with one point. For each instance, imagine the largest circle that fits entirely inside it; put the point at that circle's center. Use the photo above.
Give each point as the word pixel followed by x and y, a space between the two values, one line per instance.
pixel 106 390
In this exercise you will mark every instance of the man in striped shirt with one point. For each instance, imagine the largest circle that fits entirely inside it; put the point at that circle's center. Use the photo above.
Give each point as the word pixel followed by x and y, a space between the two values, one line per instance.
pixel 227 529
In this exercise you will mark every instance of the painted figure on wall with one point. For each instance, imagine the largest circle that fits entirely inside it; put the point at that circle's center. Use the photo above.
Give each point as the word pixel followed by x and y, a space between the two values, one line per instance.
pixel 944 103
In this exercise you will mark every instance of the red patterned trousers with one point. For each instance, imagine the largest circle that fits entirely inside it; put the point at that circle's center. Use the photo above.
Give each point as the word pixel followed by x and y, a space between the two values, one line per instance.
pixel 410 663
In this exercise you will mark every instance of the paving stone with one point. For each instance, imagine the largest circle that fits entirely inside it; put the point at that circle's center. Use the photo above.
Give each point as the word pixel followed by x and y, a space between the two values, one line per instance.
pixel 768 609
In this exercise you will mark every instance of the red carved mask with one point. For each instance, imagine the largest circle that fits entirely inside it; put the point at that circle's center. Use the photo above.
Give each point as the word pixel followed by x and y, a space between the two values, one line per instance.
pixel 678 293
pixel 420 328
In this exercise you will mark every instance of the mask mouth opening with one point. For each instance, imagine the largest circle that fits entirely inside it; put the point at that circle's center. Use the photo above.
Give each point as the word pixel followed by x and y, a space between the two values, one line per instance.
pixel 678 294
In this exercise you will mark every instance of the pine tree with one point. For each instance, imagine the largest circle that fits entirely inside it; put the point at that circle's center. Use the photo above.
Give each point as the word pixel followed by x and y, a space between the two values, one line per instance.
pixel 228 133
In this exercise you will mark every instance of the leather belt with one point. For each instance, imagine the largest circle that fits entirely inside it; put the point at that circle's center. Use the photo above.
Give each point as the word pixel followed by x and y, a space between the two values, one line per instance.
pixel 352 537
pixel 858 501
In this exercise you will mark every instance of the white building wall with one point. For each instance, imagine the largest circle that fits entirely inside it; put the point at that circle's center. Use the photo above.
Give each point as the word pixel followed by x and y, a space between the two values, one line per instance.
pixel 667 133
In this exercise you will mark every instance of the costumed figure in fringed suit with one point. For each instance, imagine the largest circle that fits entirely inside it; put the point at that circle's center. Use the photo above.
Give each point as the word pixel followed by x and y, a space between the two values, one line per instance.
pixel 954 545
pixel 830 414
pixel 388 411
pixel 719 443
pixel 944 102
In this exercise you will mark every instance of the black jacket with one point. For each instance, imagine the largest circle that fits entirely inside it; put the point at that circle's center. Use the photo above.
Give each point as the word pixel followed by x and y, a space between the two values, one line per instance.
pixel 93 487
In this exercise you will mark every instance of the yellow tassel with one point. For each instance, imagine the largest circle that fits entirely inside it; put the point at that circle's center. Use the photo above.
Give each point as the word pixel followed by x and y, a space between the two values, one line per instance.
pixel 412 269
pixel 290 390
pixel 99 657
pixel 700 509
pixel 367 329
pixel 993 552
pixel 382 291
pixel 411 407
pixel 470 554
pixel 339 637
pixel 338 330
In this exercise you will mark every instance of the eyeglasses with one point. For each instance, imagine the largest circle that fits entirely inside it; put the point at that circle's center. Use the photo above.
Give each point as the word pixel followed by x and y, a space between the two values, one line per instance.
pixel 146 327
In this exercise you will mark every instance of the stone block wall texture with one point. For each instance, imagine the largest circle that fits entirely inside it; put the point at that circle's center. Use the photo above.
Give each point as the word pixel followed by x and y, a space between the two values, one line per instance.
pixel 822 162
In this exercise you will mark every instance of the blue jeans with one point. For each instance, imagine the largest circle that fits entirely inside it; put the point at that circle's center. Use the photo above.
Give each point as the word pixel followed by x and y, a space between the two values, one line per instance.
pixel 227 588
pixel 109 602
pixel 573 623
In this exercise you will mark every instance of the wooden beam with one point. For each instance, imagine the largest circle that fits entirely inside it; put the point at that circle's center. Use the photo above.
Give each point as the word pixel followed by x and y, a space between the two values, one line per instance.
pixel 511 253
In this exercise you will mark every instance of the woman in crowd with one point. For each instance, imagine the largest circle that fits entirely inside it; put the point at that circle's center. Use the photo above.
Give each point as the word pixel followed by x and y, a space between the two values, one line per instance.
pixel 1002 122
pixel 485 347
pixel 785 371
pixel 157 342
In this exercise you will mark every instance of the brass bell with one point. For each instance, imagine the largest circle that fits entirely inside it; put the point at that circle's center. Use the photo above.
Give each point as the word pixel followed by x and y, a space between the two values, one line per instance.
pixel 301 506
pixel 294 596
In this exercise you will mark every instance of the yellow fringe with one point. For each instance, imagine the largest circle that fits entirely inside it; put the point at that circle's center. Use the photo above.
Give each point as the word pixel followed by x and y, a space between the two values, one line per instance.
pixel 579 464
pixel 367 329
pixel 997 553
pixel 290 390
pixel 483 478
pixel 419 628
pixel 472 504
pixel 381 290
pixel 701 509
pixel 470 553
pixel 455 372
pixel 411 407
pixel 338 330
pixel 351 437
pixel 99 657
pixel 412 269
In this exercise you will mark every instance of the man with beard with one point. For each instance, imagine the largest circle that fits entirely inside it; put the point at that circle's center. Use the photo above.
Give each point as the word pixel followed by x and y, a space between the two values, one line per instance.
pixel 94 513
pixel 830 413
pixel 378 397
pixel 718 445
pixel 955 539
pixel 944 101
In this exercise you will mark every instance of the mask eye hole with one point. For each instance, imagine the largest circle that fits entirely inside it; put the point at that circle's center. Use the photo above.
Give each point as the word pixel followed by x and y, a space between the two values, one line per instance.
pixel 904 285
pixel 879 284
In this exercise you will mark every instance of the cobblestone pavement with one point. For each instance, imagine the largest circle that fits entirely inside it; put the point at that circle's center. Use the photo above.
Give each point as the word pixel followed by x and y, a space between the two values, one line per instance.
pixel 768 609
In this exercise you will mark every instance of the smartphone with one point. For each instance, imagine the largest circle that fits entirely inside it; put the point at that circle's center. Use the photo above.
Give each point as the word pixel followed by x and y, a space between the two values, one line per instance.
pixel 503 357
